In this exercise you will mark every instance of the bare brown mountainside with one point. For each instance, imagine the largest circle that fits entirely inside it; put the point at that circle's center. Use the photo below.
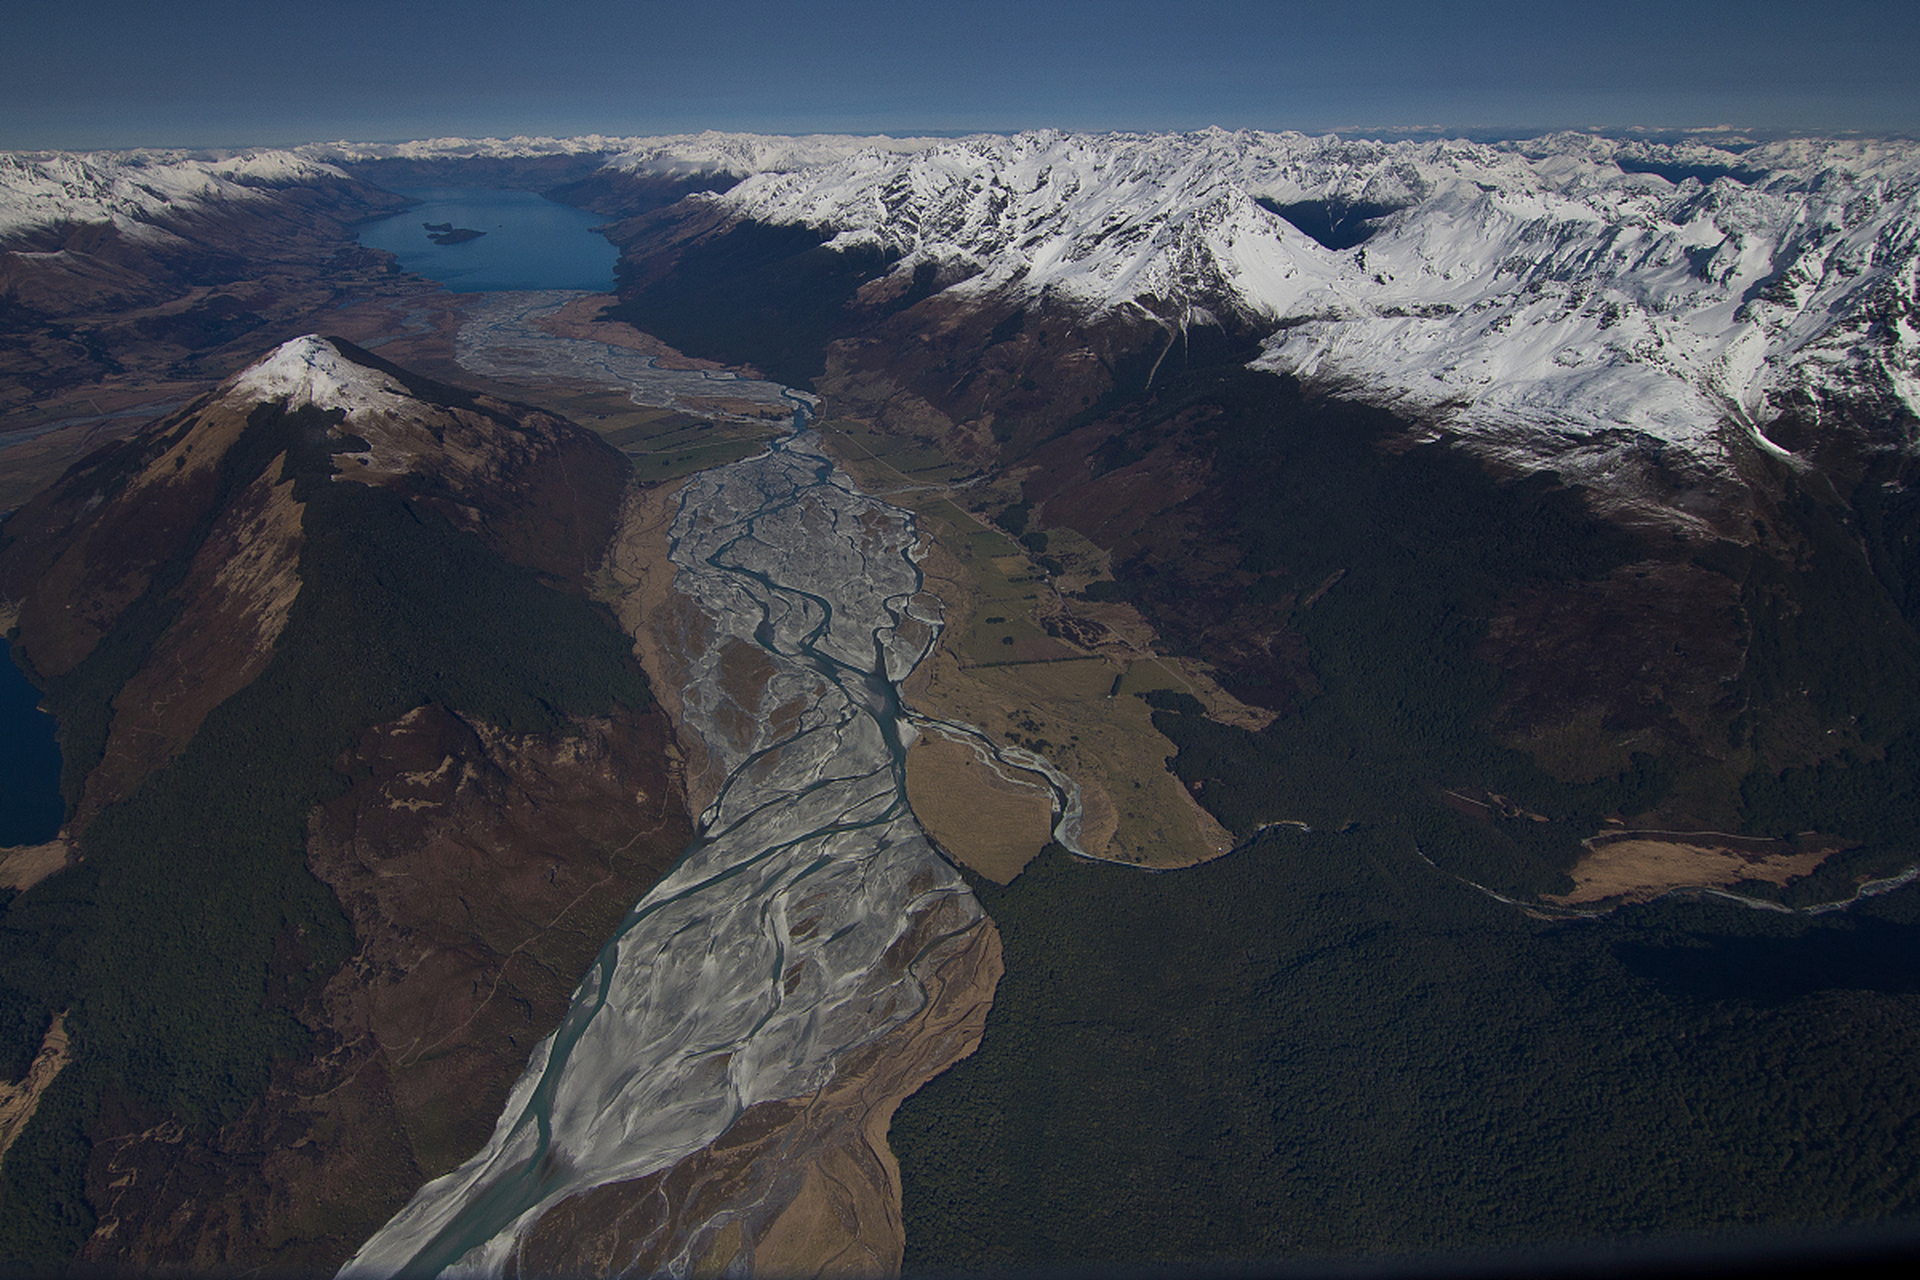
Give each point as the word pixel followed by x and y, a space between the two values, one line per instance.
pixel 195 295
pixel 360 779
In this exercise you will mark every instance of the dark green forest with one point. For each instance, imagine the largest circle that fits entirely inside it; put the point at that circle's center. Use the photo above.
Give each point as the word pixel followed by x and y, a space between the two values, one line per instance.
pixel 1318 1045
pixel 186 939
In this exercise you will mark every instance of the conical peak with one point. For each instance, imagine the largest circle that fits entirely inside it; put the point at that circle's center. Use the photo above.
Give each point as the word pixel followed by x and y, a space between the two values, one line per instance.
pixel 311 370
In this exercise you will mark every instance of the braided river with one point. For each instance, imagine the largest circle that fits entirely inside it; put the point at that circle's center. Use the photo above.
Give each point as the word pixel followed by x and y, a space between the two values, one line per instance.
pixel 763 956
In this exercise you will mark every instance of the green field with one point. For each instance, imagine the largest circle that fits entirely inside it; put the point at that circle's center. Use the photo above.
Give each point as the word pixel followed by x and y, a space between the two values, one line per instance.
pixel 665 444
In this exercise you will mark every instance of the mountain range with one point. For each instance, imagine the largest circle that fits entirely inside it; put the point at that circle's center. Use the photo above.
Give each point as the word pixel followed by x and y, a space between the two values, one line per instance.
pixel 1412 649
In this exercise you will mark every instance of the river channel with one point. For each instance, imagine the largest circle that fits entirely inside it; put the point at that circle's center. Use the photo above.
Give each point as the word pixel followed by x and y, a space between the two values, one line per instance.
pixel 502 338
pixel 762 957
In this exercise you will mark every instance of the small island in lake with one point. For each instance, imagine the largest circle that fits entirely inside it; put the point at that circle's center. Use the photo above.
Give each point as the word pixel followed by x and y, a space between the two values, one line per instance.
pixel 446 233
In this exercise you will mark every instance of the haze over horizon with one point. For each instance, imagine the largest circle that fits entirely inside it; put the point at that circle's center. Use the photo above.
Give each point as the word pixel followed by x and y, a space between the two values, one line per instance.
pixel 218 73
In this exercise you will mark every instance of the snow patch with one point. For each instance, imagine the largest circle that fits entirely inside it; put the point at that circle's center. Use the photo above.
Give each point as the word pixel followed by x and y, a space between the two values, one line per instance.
pixel 743 154
pixel 311 371
pixel 670 156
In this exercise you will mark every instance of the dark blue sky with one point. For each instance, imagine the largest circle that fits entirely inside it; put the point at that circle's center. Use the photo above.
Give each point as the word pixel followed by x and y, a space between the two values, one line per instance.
pixel 113 73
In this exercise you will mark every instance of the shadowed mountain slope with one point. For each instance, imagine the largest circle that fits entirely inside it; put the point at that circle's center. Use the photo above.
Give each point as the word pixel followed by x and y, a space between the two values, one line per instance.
pixel 359 778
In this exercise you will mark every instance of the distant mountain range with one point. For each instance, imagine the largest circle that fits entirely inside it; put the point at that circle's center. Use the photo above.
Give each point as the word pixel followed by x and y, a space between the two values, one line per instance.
pixel 1571 283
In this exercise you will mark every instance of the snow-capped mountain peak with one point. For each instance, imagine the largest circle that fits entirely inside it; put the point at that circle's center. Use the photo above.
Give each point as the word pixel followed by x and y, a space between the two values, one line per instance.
pixel 310 371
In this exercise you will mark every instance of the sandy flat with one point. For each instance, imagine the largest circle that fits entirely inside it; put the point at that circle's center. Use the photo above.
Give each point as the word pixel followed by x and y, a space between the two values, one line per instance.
pixel 24 866
pixel 1637 866
pixel 18 1101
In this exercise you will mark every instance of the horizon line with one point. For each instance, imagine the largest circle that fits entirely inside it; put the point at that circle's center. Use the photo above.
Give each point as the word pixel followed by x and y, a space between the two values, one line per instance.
pixel 1732 133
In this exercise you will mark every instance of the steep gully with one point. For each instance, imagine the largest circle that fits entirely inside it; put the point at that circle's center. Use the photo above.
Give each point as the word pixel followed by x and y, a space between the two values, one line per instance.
pixel 773 949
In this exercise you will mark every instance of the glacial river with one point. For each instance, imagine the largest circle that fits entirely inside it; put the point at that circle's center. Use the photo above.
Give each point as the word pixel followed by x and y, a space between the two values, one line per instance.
pixel 502 338
pixel 758 961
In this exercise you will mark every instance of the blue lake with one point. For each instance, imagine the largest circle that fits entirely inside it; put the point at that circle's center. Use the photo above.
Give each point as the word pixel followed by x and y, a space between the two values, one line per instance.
pixel 530 242
pixel 30 806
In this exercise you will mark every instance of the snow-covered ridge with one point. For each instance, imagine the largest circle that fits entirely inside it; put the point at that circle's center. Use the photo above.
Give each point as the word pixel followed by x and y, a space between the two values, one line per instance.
pixel 516 148
pixel 671 156
pixel 743 154
pixel 132 189
pixel 1554 283
pixel 138 190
